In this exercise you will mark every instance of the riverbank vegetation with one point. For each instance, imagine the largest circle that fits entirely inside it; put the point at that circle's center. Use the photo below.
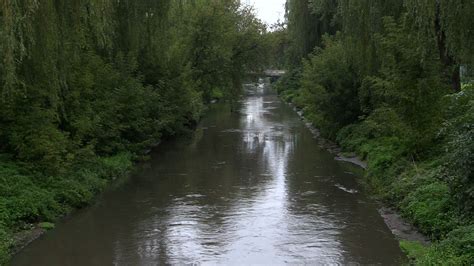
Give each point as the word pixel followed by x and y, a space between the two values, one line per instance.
pixel 87 87
pixel 392 82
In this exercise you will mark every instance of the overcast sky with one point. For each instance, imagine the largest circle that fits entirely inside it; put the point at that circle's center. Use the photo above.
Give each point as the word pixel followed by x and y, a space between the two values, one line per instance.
pixel 268 10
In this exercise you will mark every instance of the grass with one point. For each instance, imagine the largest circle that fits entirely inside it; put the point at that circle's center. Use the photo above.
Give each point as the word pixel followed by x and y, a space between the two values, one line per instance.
pixel 46 225
pixel 29 197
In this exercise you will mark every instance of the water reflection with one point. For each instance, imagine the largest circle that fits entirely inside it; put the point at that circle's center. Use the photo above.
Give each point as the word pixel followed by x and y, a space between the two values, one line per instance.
pixel 260 222
pixel 248 188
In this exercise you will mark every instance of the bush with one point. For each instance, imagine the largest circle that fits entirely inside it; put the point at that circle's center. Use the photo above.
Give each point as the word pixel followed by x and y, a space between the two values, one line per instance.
pixel 414 250
pixel 383 123
pixel 23 199
pixel 430 208
pixel 458 136
pixel 46 225
pixel 456 249
pixel 288 86
pixel 116 166
pixel 30 198
pixel 329 88
pixel 431 186
pixel 5 243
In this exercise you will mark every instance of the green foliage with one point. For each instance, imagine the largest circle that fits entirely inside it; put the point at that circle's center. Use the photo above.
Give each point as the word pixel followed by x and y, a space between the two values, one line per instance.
pixel 381 88
pixel 116 166
pixel 456 249
pixel 277 42
pixel 329 86
pixel 448 17
pixel 457 133
pixel 5 243
pixel 46 225
pixel 308 21
pixel 87 87
pixel 30 197
pixel 429 207
pixel 22 198
pixel 381 123
pixel 413 249
pixel 288 86
pixel 408 83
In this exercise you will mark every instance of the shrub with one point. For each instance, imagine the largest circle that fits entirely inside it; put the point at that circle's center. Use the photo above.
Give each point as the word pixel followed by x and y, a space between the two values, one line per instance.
pixel 430 208
pixel 22 198
pixel 116 166
pixel 414 250
pixel 456 249
pixel 5 243
pixel 458 135
pixel 329 88
pixel 46 225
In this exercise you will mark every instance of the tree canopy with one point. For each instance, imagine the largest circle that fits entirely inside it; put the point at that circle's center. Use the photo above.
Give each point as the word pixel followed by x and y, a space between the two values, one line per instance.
pixel 86 86
pixel 390 81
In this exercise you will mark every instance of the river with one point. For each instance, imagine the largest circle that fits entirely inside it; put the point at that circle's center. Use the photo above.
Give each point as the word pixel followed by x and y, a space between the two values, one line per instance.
pixel 251 187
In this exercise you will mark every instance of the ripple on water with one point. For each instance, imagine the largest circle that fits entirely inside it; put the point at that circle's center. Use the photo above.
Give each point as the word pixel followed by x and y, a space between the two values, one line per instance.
pixel 254 195
pixel 348 190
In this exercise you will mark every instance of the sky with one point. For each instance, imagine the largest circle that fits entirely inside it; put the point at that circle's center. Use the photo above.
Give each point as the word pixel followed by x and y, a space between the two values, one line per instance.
pixel 269 11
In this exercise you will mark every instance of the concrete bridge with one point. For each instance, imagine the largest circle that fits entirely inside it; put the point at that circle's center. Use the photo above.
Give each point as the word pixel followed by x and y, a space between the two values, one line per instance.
pixel 274 73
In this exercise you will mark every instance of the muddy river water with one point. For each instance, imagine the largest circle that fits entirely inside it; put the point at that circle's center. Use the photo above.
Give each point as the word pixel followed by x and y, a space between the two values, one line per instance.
pixel 249 187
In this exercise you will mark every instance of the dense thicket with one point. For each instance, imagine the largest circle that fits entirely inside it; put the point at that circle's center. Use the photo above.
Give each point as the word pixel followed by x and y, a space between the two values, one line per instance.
pixel 383 79
pixel 87 85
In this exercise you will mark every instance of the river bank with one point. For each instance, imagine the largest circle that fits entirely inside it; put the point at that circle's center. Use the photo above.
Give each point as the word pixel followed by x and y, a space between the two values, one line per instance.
pixel 399 226
pixel 416 187
pixel 62 196
pixel 245 188
pixel 32 207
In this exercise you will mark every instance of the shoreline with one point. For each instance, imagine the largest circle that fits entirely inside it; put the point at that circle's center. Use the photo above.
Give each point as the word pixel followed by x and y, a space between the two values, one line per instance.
pixel 24 238
pixel 21 239
pixel 400 227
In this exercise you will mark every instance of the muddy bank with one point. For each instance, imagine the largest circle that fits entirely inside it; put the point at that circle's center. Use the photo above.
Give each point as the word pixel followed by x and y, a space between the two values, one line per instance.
pixel 402 229
pixel 24 238
pixel 399 227
pixel 328 145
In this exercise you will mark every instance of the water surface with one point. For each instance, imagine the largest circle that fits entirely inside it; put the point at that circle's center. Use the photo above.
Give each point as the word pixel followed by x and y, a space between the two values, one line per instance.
pixel 251 187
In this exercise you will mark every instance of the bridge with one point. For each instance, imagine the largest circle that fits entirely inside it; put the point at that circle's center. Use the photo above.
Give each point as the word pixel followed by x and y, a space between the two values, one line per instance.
pixel 274 73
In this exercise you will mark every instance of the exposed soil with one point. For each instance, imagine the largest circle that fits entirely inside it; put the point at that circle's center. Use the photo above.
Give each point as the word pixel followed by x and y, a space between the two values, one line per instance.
pixel 25 237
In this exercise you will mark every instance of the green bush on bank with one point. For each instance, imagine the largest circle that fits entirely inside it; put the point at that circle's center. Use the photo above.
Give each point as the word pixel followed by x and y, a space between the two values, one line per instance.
pixel 456 249
pixel 386 86
pixel 5 243
pixel 29 197
pixel 428 179
pixel 81 96
pixel 433 190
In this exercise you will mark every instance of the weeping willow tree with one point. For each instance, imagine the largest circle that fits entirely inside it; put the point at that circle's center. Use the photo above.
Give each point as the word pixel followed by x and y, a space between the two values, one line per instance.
pixel 387 87
pixel 54 52
pixel 84 82
pixel 361 21
pixel 16 18
pixel 447 22
pixel 307 22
